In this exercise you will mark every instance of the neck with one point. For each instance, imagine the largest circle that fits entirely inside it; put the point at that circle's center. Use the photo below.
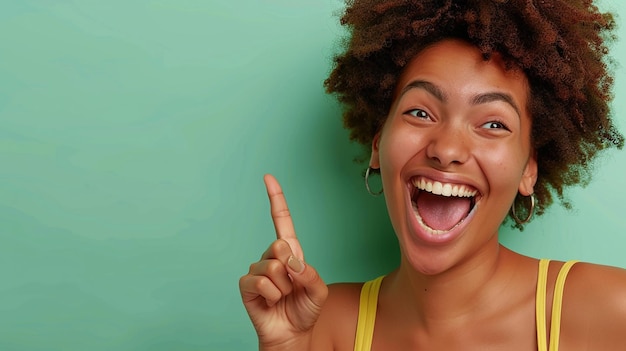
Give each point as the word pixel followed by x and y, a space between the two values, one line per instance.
pixel 459 294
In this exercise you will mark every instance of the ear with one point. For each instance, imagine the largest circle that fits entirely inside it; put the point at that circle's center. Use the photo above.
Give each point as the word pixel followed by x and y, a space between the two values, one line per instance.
pixel 529 176
pixel 374 158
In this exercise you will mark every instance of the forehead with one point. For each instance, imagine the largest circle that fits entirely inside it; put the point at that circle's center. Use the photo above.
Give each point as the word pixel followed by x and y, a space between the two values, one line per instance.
pixel 460 68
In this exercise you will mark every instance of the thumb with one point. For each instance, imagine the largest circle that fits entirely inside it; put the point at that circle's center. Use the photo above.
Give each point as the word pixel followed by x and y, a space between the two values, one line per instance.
pixel 307 277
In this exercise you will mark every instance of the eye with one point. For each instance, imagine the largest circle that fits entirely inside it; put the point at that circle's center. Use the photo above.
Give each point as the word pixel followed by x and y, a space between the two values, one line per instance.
pixel 495 125
pixel 418 113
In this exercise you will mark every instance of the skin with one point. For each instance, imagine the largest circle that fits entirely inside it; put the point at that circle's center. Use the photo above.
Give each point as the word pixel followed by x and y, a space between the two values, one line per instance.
pixel 457 119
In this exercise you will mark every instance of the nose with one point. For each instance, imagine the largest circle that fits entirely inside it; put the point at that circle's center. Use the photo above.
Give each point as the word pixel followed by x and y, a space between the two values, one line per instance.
pixel 448 146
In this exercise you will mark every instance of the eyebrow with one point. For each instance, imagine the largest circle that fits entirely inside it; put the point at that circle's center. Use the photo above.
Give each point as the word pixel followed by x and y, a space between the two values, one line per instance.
pixel 496 96
pixel 476 100
pixel 428 86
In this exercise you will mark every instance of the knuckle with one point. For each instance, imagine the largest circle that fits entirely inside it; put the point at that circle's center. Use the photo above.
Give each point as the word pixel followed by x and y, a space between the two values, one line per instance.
pixel 278 195
pixel 281 213
pixel 279 247
pixel 263 283
pixel 252 267
pixel 275 267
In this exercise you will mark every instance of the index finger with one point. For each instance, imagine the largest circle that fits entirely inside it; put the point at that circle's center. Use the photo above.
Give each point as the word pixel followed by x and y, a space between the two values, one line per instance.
pixel 279 210
pixel 281 216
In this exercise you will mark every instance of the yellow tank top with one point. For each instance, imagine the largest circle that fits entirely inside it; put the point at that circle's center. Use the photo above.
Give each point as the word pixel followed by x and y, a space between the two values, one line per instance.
pixel 369 301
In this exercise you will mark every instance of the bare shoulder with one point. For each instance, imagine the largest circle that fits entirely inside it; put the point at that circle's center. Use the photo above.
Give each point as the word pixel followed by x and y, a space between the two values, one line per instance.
pixel 594 307
pixel 337 322
pixel 598 286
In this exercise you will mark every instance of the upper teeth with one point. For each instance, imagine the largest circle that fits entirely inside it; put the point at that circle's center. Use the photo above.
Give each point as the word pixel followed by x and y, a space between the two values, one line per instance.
pixel 444 189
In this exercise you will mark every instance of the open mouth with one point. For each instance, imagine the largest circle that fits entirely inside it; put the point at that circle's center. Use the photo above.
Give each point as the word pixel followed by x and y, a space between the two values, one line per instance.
pixel 441 207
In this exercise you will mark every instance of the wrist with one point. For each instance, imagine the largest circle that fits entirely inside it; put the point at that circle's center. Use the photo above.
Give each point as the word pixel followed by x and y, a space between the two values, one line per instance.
pixel 301 343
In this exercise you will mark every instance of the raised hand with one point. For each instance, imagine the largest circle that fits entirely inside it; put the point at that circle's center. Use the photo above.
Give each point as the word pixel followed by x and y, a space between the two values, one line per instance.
pixel 282 294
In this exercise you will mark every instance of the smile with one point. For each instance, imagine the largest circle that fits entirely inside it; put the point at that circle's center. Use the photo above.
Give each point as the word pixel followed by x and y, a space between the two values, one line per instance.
pixel 441 207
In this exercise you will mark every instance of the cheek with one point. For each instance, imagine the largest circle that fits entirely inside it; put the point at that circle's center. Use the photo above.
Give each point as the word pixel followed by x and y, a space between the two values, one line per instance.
pixel 504 165
pixel 396 149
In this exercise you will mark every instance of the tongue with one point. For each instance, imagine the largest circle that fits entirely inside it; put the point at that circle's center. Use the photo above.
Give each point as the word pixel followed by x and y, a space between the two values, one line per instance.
pixel 442 212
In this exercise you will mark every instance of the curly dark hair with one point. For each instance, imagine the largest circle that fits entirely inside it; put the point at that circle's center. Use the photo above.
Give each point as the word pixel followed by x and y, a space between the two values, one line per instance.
pixel 561 46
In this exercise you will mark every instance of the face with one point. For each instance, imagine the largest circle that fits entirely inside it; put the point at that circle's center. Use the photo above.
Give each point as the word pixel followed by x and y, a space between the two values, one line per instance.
pixel 453 153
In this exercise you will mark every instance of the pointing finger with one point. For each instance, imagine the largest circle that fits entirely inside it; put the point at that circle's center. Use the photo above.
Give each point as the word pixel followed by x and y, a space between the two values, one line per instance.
pixel 278 207
pixel 283 224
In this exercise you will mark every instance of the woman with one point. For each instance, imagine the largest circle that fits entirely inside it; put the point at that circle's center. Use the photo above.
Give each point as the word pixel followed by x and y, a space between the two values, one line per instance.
pixel 472 111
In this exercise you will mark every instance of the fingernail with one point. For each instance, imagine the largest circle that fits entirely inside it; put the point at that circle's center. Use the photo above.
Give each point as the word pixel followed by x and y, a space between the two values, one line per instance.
pixel 295 264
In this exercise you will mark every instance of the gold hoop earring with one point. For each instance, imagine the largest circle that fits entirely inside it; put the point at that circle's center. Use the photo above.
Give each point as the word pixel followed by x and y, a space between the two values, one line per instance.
pixel 530 211
pixel 367 183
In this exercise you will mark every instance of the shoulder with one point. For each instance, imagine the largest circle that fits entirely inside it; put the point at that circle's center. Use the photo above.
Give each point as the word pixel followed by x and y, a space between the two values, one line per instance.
pixel 594 306
pixel 343 301
pixel 337 322
pixel 600 288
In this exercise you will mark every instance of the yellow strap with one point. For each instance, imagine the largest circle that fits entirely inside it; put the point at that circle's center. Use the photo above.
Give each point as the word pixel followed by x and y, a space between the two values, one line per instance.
pixel 557 304
pixel 540 305
pixel 367 315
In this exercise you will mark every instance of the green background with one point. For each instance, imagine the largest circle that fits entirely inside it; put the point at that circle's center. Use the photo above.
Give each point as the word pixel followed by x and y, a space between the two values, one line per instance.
pixel 133 140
